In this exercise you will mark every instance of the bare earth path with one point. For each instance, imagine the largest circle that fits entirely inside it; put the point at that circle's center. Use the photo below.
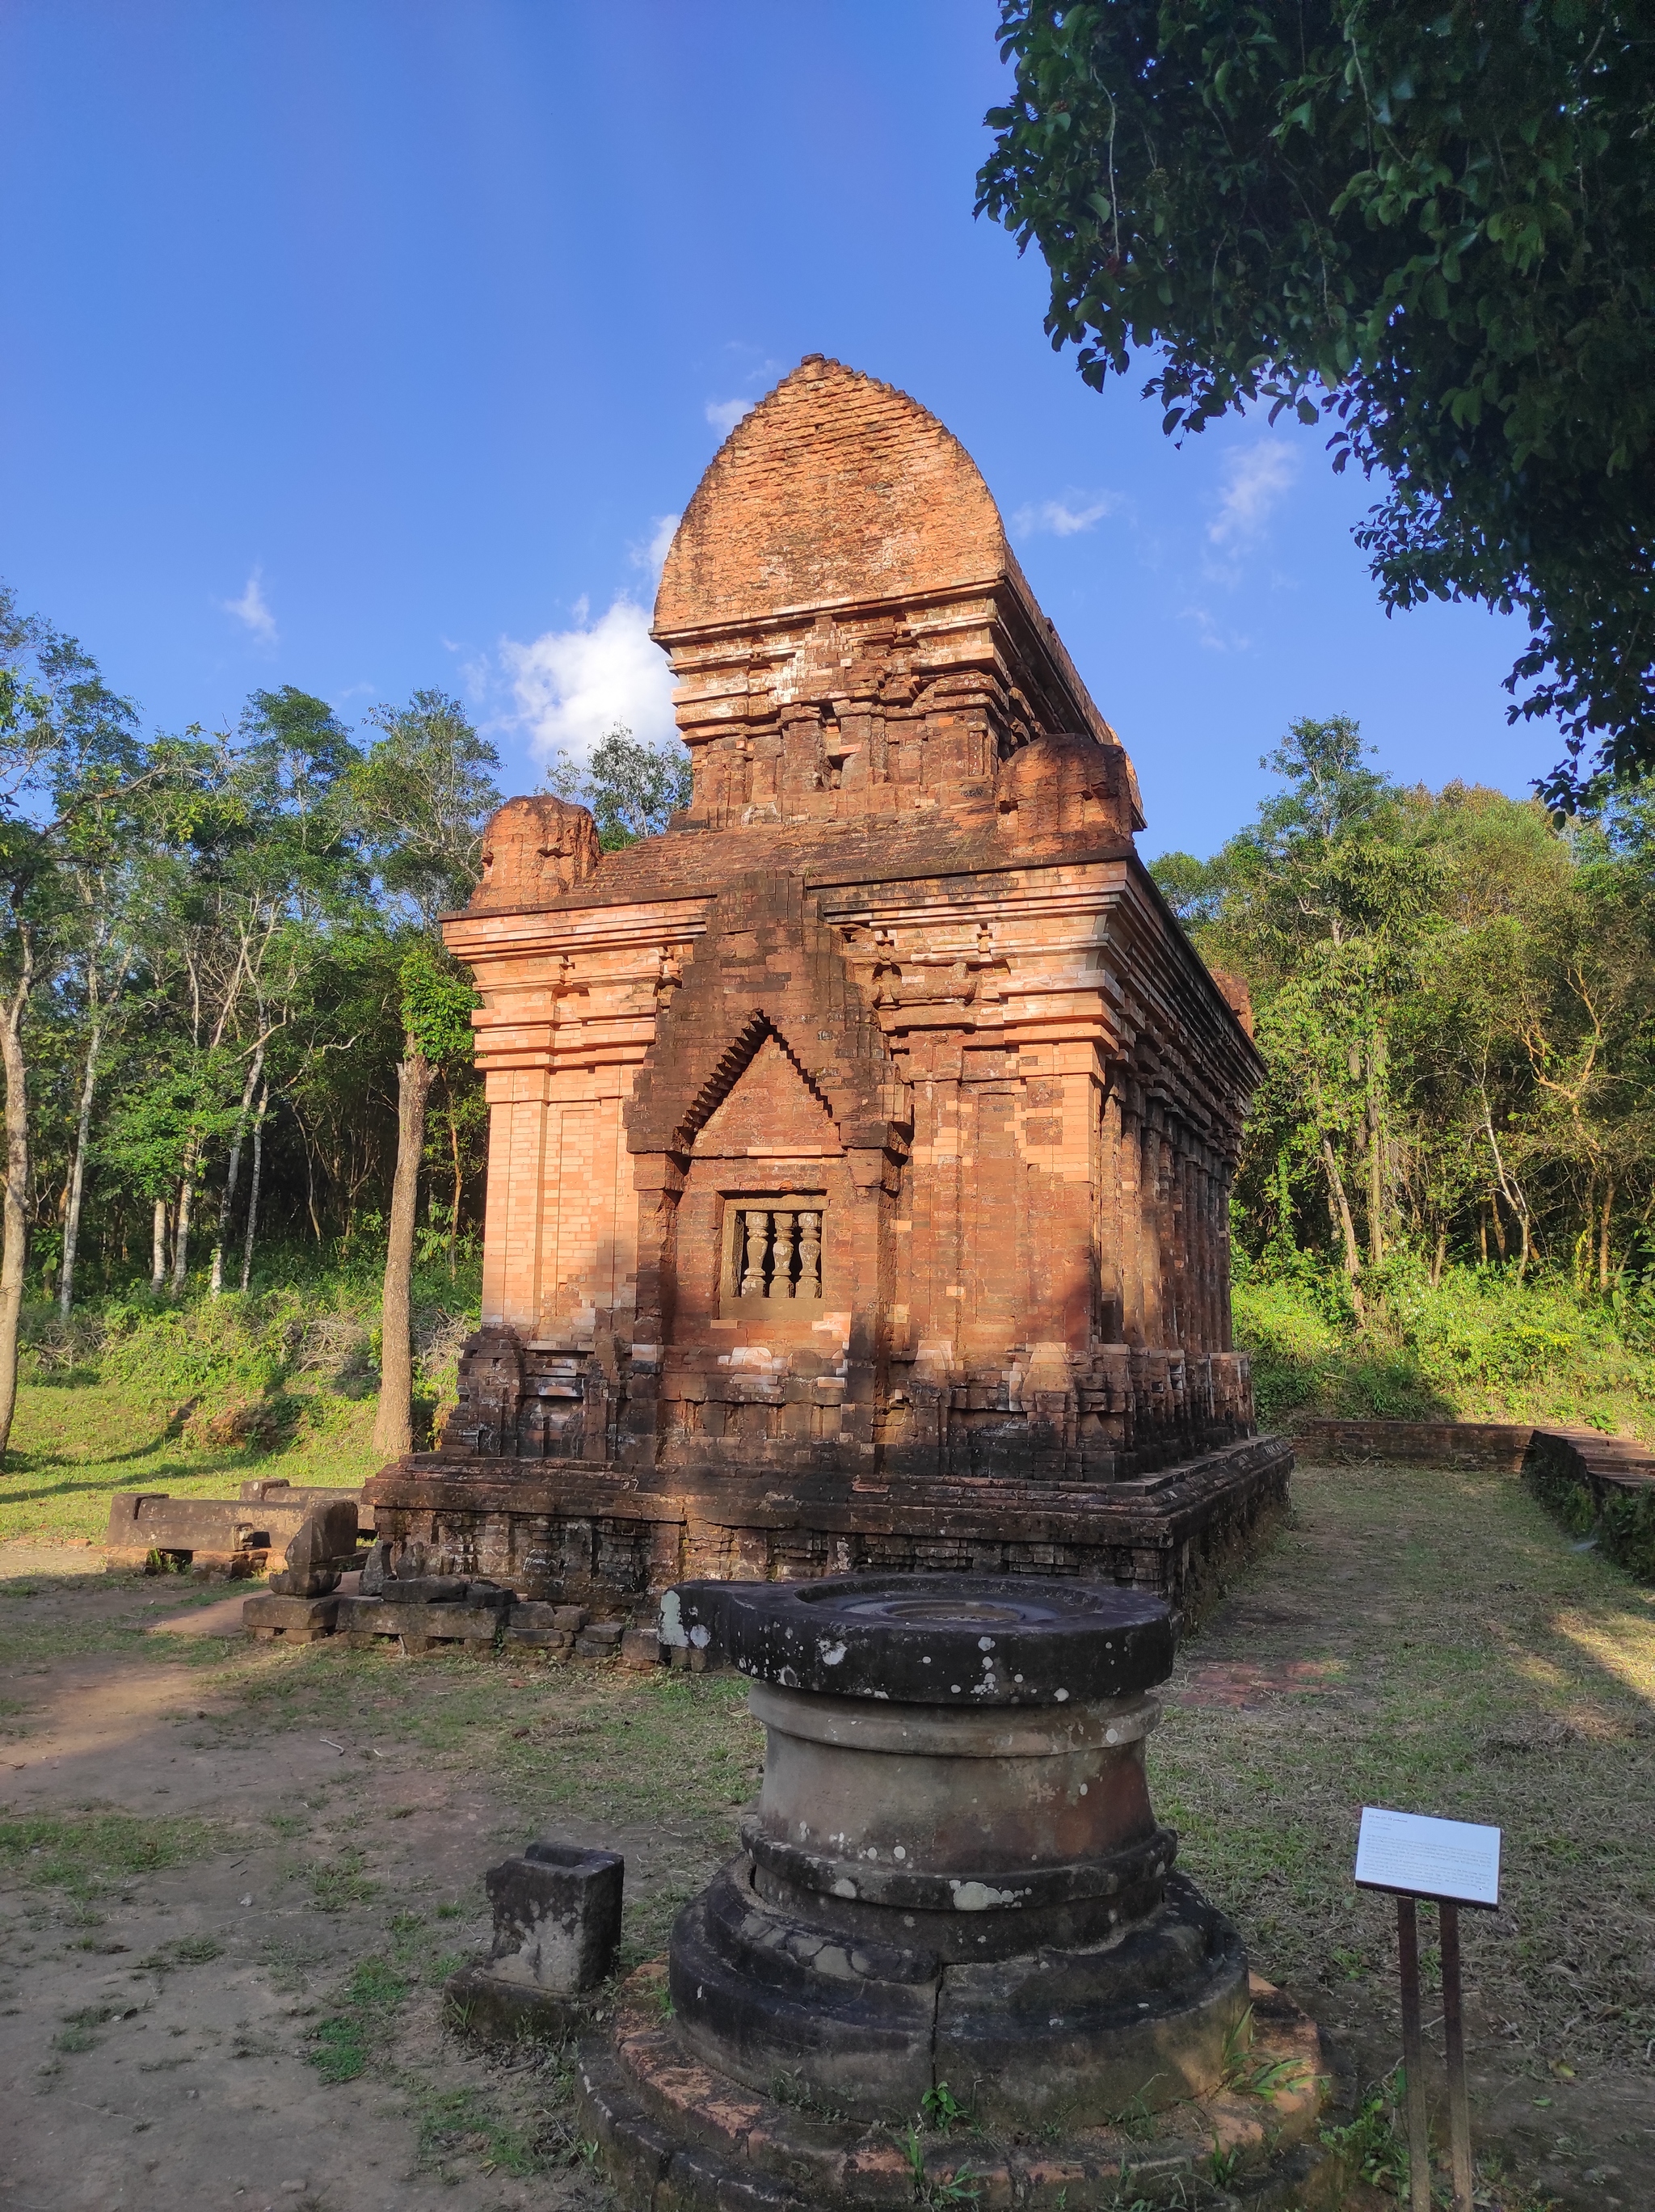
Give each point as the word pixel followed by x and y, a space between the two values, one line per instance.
pixel 233 1879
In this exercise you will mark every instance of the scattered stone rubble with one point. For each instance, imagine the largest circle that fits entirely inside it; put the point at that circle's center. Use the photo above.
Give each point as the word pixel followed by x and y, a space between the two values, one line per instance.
pixel 398 1598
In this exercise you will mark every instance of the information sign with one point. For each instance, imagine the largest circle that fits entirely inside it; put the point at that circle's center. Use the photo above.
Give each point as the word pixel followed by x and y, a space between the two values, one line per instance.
pixel 1419 1857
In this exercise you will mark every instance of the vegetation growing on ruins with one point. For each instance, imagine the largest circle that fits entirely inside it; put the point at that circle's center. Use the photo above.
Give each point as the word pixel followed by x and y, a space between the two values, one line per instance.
pixel 1446 1197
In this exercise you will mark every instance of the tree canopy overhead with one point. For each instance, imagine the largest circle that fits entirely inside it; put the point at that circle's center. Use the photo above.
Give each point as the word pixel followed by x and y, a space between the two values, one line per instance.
pixel 1432 224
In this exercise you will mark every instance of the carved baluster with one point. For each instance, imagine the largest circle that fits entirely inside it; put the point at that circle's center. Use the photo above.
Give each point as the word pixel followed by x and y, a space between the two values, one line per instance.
pixel 809 1256
pixel 781 1277
pixel 756 1228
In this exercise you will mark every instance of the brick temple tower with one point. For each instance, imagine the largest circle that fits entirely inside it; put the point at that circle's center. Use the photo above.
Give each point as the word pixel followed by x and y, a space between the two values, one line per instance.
pixel 860 1149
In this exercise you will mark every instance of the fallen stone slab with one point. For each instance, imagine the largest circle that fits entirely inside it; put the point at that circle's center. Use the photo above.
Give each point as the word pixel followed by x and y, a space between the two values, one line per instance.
pixel 364 1620
pixel 220 1535
pixel 276 1490
pixel 296 1619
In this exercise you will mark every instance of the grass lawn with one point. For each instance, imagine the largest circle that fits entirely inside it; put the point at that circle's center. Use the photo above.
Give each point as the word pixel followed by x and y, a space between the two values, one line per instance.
pixel 1415 1638
pixel 73 1446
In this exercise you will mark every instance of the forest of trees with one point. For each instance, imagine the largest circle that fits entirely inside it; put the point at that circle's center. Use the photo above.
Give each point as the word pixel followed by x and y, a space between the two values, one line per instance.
pixel 1454 992
pixel 227 1016
pixel 223 996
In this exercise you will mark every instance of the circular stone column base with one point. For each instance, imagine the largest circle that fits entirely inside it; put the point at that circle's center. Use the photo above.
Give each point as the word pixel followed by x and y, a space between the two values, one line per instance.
pixel 675 2135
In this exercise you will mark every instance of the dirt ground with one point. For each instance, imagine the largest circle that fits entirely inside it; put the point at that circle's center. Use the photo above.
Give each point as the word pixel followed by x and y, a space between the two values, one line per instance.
pixel 233 1878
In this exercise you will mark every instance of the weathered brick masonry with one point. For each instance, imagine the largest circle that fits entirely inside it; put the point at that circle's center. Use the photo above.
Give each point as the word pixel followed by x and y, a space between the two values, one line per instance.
pixel 860 1149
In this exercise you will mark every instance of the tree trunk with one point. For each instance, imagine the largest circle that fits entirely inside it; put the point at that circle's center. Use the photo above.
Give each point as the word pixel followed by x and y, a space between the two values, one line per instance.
pixel 1603 1240
pixel 13 1256
pixel 1439 1255
pixel 460 1180
pixel 232 1172
pixel 1376 1149
pixel 393 1432
pixel 1353 1256
pixel 158 1250
pixel 77 1172
pixel 252 1194
pixel 181 1220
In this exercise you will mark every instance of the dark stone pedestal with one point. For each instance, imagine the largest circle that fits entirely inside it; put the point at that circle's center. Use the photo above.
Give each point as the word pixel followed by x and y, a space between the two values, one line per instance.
pixel 955 1894
pixel 557 1928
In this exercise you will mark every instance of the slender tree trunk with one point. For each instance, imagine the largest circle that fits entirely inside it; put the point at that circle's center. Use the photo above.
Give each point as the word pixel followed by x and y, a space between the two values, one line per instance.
pixel 1376 1149
pixel 393 1431
pixel 77 1172
pixel 1353 1256
pixel 232 1172
pixel 181 1220
pixel 1603 1239
pixel 13 1256
pixel 1500 1226
pixel 158 1249
pixel 252 1194
pixel 1439 1255
pixel 459 1180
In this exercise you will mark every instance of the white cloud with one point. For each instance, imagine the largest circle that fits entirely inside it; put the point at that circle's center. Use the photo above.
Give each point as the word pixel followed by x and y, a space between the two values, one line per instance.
pixel 1060 517
pixel 651 553
pixel 572 686
pixel 1256 481
pixel 725 413
pixel 252 610
pixel 1211 636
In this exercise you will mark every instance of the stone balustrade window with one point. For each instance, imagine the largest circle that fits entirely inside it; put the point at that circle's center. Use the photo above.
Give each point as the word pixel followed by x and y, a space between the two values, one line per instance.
pixel 772 1251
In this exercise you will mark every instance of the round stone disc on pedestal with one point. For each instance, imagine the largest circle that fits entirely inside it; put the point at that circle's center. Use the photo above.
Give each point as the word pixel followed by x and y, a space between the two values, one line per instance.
pixel 953 1877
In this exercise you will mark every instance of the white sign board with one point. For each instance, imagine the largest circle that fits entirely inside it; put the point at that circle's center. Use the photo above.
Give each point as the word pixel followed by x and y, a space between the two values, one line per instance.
pixel 1425 1857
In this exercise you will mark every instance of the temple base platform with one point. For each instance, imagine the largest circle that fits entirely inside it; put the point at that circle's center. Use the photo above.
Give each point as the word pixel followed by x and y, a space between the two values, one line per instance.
pixel 613 1538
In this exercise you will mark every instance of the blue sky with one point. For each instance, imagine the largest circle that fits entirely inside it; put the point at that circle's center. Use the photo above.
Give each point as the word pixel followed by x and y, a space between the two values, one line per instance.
pixel 365 345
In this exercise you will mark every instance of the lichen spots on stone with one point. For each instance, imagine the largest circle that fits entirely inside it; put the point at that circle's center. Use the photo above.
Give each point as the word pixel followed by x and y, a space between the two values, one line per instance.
pixel 978 1897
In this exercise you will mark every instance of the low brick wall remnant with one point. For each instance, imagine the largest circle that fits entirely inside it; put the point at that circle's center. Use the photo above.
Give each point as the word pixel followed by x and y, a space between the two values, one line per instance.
pixel 1419 1443
pixel 1597 1485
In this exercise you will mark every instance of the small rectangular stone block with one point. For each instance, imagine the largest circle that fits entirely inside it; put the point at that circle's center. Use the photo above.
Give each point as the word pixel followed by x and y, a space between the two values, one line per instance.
pixel 640 1647
pixel 557 1918
pixel 318 1615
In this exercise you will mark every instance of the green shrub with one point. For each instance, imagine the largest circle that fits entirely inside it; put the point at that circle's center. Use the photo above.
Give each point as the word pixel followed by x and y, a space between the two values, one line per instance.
pixel 1478 1345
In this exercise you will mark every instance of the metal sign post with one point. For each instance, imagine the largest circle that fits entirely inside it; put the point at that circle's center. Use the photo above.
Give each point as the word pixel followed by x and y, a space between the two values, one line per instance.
pixel 1449 1863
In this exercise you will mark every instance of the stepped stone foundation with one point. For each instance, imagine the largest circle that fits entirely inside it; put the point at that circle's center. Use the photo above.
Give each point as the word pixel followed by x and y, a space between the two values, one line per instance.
pixel 860 1148
pixel 954 1898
